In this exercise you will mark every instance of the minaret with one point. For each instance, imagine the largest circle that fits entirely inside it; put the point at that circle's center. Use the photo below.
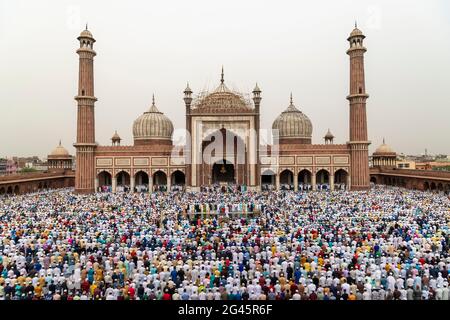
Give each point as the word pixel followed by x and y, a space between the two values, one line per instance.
pixel 359 144
pixel 187 152
pixel 257 101
pixel 85 145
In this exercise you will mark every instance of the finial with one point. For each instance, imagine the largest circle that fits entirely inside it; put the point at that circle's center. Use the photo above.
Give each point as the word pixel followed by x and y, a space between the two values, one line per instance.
pixel 59 142
pixel 153 99
pixel 356 24
pixel 291 99
pixel 383 141
pixel 86 25
pixel 222 79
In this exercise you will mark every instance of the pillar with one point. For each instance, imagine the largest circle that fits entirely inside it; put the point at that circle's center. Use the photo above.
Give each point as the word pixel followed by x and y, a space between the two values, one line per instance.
pixel 331 182
pixel 296 181
pixel 313 181
pixel 169 182
pixel 113 184
pixel 96 184
pixel 150 183
pixel 132 183
pixel 277 181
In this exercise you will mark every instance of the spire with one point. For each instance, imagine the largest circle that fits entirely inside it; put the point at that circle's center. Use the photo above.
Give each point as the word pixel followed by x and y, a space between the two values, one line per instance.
pixel 384 141
pixel 291 107
pixel 188 89
pixel 257 89
pixel 153 108
pixel 222 78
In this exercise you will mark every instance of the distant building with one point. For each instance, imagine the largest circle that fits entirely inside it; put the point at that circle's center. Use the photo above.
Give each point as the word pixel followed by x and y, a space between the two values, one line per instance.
pixel 3 163
pixel 406 164
pixel 11 166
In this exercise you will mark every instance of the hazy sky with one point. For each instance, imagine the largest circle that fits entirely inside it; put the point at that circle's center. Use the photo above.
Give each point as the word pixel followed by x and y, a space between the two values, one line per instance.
pixel 147 47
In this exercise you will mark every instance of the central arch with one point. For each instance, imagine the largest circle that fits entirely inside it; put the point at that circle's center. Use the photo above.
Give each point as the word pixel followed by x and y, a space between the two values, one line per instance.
pixel 224 158
pixel 222 172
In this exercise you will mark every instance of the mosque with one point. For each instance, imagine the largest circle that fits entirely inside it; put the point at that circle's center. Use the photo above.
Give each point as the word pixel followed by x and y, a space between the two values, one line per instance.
pixel 223 144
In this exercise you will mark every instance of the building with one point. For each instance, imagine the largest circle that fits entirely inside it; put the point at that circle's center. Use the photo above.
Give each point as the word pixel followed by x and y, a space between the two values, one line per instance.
pixel 3 163
pixel 406 173
pixel 223 140
pixel 406 164
pixel 12 166
pixel 59 159
pixel 384 156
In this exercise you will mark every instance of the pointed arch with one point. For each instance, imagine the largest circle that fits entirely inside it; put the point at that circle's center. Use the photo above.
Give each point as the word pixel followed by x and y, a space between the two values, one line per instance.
pixel 178 178
pixel 268 178
pixel 323 179
pixel 287 179
pixel 160 180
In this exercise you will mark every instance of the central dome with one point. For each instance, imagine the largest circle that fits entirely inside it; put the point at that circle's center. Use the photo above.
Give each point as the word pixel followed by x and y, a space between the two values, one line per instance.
pixel 152 127
pixel 293 126
pixel 221 100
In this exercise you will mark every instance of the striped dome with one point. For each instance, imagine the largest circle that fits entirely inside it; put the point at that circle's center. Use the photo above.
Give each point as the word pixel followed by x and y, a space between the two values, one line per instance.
pixel 153 124
pixel 292 123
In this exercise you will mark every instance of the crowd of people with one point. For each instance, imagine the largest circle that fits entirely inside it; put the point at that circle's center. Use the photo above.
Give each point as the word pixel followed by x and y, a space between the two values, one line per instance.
pixel 384 244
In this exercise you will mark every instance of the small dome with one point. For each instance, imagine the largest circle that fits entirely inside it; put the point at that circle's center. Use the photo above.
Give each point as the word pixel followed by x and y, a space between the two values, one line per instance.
pixel 292 123
pixel 329 135
pixel 356 32
pixel 60 151
pixel 384 149
pixel 116 137
pixel 153 124
pixel 86 34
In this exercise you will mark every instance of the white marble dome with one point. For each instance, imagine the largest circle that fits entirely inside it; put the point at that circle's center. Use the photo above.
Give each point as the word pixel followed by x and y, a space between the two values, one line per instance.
pixel 293 124
pixel 152 124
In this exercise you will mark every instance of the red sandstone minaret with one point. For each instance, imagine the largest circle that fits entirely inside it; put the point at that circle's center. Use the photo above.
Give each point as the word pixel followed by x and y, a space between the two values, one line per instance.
pixel 85 145
pixel 359 144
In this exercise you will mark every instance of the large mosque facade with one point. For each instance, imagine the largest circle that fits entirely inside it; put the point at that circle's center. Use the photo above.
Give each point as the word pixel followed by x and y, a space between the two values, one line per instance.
pixel 223 141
